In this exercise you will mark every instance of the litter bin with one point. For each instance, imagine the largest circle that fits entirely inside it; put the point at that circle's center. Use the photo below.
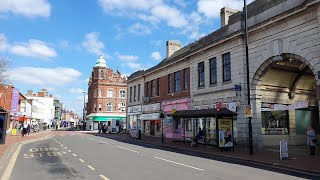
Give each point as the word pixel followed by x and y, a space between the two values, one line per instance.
pixel 139 134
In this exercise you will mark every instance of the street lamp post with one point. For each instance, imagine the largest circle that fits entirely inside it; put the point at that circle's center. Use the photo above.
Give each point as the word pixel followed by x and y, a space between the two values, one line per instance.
pixel 248 79
pixel 84 108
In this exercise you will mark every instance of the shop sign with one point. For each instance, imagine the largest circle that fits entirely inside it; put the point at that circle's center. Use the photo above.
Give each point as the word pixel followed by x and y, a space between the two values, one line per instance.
pixel 151 116
pixel 232 106
pixel 283 107
pixel 134 109
pixel 283 150
pixel 14 101
pixel 151 107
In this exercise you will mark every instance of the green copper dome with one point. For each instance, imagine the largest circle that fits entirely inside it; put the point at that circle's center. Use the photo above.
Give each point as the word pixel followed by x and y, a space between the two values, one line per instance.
pixel 101 62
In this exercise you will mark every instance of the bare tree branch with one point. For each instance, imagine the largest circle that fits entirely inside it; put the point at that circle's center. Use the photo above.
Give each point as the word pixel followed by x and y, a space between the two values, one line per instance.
pixel 4 66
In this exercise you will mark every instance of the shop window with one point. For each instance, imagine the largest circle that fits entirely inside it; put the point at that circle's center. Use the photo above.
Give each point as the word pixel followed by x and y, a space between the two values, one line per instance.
pixel 188 124
pixel 176 123
pixel 274 122
pixel 201 74
pixel 117 123
pixel 177 86
pixel 226 67
pixel 158 126
pixel 213 70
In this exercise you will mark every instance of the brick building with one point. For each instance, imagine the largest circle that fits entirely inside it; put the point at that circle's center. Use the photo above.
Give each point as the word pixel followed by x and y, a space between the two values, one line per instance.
pixel 5 100
pixel 107 97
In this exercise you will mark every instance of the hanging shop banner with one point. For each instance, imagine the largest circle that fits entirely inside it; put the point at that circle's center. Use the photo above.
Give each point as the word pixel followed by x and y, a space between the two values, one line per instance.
pixel 232 106
pixel 225 132
pixel 14 101
pixel 151 107
pixel 134 109
pixel 284 150
pixel 283 107
pixel 152 116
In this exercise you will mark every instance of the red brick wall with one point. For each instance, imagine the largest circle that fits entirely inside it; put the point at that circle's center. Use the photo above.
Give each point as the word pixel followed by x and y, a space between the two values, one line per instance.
pixel 6 95
pixel 164 88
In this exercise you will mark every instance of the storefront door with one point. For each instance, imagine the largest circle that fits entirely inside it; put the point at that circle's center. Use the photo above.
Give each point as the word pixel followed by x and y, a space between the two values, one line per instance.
pixel 152 128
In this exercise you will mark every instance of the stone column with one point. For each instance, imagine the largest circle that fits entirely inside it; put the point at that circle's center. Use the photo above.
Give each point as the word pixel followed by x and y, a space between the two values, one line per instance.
pixel 292 127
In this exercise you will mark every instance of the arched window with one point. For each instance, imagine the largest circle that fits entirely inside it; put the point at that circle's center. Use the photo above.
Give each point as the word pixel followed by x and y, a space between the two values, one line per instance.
pixel 100 107
pixel 95 93
pixel 109 107
pixel 100 93
pixel 122 107
pixel 102 74
pixel 110 93
pixel 122 93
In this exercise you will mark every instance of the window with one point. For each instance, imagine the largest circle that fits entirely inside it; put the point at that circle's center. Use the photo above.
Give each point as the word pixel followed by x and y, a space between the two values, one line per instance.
pixel 226 67
pixel 95 107
pixel 102 74
pixel 100 107
pixel 213 70
pixel 169 84
pixel 109 107
pixel 122 93
pixel 110 93
pixel 153 88
pixel 201 74
pixel 188 124
pixel 130 94
pixel 177 86
pixel 185 79
pixel 100 93
pixel 134 93
pixel 96 75
pixel 138 92
pixel 147 89
pixel 158 87
pixel 122 107
pixel 274 122
pixel 95 92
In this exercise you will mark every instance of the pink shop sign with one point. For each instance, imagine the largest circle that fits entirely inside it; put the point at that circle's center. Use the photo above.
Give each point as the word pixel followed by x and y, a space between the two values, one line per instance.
pixel 183 104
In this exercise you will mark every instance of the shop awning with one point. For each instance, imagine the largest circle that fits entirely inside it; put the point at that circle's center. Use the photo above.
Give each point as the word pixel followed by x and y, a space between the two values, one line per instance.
pixel 203 113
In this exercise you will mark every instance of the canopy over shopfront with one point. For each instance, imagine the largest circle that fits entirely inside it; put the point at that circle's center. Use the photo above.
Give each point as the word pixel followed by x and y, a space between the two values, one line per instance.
pixel 203 113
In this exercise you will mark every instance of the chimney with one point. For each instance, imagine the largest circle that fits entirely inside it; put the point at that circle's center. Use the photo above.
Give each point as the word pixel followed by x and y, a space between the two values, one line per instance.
pixel 172 46
pixel 29 93
pixel 225 13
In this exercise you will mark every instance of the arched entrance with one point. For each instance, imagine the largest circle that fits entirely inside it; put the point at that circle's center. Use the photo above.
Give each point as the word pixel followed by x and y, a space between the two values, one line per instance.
pixel 286 98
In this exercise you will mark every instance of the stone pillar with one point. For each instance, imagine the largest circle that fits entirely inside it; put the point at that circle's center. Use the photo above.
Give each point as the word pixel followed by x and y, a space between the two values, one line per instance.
pixel 256 123
pixel 292 127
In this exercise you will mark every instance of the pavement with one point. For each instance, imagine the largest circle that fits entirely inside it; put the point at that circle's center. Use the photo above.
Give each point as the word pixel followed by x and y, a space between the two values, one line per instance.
pixel 299 162
pixel 87 156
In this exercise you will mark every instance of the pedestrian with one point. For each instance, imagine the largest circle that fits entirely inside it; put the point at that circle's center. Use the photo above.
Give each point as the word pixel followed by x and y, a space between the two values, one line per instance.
pixel 311 140
pixel 99 128
pixel 28 129
pixel 24 129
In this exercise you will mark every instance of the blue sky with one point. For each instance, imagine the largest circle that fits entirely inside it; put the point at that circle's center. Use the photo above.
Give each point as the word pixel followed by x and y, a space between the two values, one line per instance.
pixel 55 44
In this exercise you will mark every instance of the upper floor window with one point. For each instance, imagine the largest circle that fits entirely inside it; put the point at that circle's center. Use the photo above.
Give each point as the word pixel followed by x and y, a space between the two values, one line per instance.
pixel 201 74
pixel 139 92
pixel 110 93
pixel 185 79
pixel 95 107
pixel 122 93
pixel 147 89
pixel 169 84
pixel 177 86
pixel 134 93
pixel 100 107
pixel 130 94
pixel 95 93
pixel 122 107
pixel 226 67
pixel 100 93
pixel 153 88
pixel 102 75
pixel 213 70
pixel 158 87
pixel 109 107
pixel 96 75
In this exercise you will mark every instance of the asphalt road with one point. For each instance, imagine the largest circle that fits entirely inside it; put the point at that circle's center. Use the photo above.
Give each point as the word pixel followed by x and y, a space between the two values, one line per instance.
pixel 82 156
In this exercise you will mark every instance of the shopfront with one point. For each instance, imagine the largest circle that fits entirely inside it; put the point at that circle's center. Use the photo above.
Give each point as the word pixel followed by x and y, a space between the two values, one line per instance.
pixel 133 121
pixel 151 122
pixel 174 128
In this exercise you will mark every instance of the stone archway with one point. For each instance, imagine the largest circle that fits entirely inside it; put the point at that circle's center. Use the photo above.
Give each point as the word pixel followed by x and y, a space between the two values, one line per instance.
pixel 279 79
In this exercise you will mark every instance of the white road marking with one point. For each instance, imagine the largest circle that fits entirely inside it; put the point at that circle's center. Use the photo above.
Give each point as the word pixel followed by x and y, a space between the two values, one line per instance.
pixel 101 142
pixel 81 160
pixel 179 164
pixel 72 134
pixel 91 168
pixel 65 147
pixel 74 155
pixel 61 145
pixel 128 149
pixel 103 177
pixel 69 151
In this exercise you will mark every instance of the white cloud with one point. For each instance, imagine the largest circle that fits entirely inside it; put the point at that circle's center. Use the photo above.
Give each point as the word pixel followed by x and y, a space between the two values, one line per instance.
pixel 76 90
pixel 116 5
pixel 171 15
pixel 64 43
pixel 211 8
pixel 93 44
pixel 44 76
pixel 133 65
pixel 127 58
pixel 139 29
pixel 28 8
pixel 156 56
pixel 33 48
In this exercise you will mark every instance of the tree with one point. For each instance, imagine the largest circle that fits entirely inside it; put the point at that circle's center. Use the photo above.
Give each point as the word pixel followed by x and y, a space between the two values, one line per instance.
pixel 4 65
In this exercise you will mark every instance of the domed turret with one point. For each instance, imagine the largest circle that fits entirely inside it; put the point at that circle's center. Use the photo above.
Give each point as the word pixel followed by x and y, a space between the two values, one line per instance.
pixel 101 62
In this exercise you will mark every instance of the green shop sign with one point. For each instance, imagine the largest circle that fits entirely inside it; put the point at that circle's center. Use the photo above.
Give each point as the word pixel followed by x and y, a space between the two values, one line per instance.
pixel 104 118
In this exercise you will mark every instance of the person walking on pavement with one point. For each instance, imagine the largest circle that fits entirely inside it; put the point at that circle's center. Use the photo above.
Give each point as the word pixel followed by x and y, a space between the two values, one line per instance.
pixel 99 128
pixel 24 129
pixel 311 140
pixel 28 129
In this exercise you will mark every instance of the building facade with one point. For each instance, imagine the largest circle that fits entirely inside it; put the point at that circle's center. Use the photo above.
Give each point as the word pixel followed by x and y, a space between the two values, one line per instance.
pixel 107 97
pixel 283 42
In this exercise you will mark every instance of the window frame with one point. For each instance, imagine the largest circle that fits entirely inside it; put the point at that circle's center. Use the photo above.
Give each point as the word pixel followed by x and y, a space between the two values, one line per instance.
pixel 201 74
pixel 122 93
pixel 177 81
pixel 169 83
pixel 185 79
pixel 226 67
pixel 108 105
pixel 112 93
pixel 130 94
pixel 139 91
pixel 158 87
pixel 213 70
pixel 134 93
pixel 153 88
